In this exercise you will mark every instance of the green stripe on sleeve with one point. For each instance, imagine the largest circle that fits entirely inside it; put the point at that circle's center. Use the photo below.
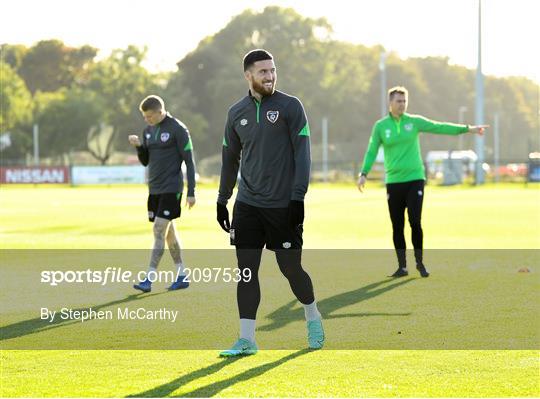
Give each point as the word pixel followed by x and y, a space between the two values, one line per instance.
pixel 189 145
pixel 225 142
pixel 305 131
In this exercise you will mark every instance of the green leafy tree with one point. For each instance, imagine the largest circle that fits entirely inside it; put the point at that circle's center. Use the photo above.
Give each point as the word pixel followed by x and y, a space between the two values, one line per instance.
pixel 341 81
pixel 121 82
pixel 213 72
pixel 15 99
pixel 51 65
pixel 181 103
pixel 13 54
pixel 66 118
pixel 15 113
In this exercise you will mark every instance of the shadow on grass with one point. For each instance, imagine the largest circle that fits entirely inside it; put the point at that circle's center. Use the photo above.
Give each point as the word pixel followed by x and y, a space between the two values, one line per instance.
pixel 218 386
pixel 289 313
pixel 168 388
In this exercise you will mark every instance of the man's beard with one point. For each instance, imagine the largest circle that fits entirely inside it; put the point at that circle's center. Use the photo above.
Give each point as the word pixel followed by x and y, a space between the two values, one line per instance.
pixel 263 90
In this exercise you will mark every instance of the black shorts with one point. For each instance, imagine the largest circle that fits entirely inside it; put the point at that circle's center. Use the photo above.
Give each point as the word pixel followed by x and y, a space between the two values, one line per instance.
pixel 405 195
pixel 253 227
pixel 166 206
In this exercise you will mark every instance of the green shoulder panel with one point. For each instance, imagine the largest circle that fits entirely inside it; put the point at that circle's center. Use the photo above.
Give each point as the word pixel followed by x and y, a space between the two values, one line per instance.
pixel 305 131
pixel 189 145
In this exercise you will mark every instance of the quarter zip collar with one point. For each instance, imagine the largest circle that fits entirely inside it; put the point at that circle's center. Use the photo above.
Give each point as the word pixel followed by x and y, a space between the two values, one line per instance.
pixel 253 98
pixel 157 126
pixel 263 98
pixel 258 103
pixel 398 119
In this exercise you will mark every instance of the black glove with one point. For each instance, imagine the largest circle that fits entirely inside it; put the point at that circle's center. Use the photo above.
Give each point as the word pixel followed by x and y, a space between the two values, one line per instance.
pixel 296 213
pixel 223 217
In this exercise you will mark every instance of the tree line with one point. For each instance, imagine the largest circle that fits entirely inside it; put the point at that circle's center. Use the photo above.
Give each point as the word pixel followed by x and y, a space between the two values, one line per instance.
pixel 82 103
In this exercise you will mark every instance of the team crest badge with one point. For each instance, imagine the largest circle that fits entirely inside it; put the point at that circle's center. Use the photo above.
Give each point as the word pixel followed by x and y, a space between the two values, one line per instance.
pixel 408 127
pixel 387 132
pixel 165 137
pixel 272 116
pixel 243 122
pixel 147 135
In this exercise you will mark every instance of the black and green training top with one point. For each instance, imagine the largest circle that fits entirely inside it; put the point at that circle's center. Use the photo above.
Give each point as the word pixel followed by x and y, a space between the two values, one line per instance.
pixel 399 138
pixel 269 141
pixel 164 147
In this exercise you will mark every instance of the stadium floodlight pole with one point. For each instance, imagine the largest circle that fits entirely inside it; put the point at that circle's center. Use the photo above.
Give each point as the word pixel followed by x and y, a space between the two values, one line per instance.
pixel 461 119
pixel 496 145
pixel 479 105
pixel 382 68
pixel 325 148
pixel 384 104
pixel 36 144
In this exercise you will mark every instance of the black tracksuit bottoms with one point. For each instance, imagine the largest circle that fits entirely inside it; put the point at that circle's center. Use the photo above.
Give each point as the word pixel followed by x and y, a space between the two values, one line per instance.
pixel 408 195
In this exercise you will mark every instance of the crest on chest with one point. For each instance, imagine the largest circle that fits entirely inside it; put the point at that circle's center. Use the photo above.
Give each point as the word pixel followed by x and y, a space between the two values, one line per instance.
pixel 272 116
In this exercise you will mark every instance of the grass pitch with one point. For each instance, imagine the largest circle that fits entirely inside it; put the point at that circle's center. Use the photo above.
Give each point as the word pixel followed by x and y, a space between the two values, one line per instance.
pixel 505 217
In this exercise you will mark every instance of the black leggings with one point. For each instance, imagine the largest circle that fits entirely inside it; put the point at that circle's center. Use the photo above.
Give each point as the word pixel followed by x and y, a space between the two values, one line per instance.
pixel 408 195
pixel 248 293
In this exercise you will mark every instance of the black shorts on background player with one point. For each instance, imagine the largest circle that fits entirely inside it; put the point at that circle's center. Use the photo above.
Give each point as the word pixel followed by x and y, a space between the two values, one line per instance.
pixel 254 227
pixel 165 206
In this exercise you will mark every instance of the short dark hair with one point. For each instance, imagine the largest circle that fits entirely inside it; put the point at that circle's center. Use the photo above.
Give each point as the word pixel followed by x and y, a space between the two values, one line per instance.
pixel 397 90
pixel 152 102
pixel 256 55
